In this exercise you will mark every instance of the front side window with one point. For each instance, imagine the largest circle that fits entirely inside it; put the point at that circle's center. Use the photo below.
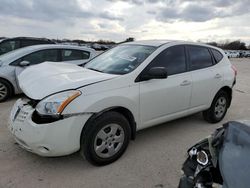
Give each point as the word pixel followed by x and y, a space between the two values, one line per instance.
pixel 41 56
pixel 71 55
pixel 7 46
pixel 122 59
pixel 172 58
pixel 199 57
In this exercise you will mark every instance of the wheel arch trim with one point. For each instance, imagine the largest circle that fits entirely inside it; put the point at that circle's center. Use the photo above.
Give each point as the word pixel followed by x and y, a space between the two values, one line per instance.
pixel 122 110
pixel 228 90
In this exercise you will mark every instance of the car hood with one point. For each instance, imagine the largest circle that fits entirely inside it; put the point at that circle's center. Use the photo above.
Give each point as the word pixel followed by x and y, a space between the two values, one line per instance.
pixel 41 80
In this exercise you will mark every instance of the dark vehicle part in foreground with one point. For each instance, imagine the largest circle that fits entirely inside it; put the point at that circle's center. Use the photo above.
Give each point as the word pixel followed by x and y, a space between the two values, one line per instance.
pixel 222 158
pixel 9 44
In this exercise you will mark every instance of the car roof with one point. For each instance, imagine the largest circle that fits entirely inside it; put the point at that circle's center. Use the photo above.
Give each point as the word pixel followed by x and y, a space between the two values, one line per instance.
pixel 29 38
pixel 158 43
pixel 55 46
pixel 155 43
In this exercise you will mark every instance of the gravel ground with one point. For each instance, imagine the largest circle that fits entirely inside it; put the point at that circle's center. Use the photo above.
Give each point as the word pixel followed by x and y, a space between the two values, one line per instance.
pixel 153 160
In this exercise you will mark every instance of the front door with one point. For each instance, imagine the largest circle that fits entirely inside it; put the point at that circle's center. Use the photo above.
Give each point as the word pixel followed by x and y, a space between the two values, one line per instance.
pixel 162 98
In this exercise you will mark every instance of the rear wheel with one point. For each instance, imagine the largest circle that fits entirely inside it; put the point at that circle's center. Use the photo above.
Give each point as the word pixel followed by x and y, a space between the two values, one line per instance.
pixel 5 90
pixel 218 109
pixel 105 138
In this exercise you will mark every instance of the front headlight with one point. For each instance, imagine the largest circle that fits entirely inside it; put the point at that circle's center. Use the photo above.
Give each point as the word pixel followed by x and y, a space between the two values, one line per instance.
pixel 55 104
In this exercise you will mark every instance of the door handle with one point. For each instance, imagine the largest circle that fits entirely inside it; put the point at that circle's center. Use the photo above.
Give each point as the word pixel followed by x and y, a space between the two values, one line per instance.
pixel 185 83
pixel 217 76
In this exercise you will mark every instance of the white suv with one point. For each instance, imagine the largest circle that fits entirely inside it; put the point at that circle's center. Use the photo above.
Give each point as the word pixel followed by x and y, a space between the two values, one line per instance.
pixel 97 108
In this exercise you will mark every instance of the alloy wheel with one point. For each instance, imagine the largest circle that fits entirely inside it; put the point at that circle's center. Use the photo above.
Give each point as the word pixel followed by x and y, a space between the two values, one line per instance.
pixel 220 107
pixel 109 140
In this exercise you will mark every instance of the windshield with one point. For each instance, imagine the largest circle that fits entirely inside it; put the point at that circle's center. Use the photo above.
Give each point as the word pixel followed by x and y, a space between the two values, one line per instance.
pixel 122 59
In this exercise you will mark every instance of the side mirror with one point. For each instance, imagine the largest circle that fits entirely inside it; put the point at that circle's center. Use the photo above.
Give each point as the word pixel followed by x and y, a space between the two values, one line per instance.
pixel 24 63
pixel 155 73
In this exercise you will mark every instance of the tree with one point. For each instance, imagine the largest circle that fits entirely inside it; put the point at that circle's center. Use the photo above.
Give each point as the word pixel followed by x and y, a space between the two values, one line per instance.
pixel 130 39
pixel 227 45
pixel 213 44
pixel 236 45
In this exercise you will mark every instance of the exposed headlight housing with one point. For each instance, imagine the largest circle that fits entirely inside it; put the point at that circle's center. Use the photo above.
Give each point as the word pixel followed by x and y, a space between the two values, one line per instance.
pixel 55 104
pixel 202 157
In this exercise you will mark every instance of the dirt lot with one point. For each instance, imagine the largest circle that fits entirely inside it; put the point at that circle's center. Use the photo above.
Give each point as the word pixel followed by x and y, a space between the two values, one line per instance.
pixel 153 160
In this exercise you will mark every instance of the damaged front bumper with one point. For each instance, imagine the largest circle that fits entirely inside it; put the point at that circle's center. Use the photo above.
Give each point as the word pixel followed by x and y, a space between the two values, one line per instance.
pixel 56 138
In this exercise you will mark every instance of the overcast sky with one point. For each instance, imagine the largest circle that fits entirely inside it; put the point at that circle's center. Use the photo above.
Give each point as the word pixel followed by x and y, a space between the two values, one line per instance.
pixel 205 20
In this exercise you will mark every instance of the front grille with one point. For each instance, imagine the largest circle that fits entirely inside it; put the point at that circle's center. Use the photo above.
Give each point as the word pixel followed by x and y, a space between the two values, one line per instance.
pixel 22 116
pixel 24 108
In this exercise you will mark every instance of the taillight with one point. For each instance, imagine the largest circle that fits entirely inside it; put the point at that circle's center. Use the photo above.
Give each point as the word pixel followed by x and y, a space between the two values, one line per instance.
pixel 234 69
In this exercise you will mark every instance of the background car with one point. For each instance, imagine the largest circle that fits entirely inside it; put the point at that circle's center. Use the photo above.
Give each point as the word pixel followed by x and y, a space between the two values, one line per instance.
pixel 13 63
pixel 232 54
pixel 9 44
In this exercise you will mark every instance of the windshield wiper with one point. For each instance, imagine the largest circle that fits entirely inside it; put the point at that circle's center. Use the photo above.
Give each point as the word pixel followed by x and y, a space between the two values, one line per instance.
pixel 94 69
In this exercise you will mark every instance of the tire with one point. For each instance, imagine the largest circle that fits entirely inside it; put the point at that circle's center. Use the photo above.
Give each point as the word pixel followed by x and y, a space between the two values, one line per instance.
pixel 5 90
pixel 105 138
pixel 218 109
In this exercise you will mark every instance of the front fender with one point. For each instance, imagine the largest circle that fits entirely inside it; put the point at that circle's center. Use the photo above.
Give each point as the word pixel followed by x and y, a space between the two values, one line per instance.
pixel 127 97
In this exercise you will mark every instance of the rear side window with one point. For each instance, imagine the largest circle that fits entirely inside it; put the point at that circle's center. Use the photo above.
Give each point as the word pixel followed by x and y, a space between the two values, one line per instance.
pixel 41 56
pixel 70 55
pixel 217 55
pixel 200 57
pixel 172 58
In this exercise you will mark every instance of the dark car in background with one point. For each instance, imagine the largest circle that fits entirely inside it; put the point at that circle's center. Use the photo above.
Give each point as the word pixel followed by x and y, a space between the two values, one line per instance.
pixel 9 44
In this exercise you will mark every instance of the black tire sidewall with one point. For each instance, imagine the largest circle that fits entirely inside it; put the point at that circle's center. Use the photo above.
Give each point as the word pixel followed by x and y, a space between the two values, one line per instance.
pixel 93 127
pixel 9 90
pixel 212 110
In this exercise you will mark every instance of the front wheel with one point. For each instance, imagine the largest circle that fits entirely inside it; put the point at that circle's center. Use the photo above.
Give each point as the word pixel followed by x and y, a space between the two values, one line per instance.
pixel 218 109
pixel 105 138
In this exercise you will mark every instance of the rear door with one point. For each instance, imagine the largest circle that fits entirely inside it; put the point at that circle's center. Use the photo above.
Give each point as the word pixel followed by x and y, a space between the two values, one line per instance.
pixel 162 98
pixel 205 78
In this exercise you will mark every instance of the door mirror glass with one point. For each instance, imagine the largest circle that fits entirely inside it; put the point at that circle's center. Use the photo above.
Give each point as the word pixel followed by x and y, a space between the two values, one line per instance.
pixel 24 63
pixel 155 73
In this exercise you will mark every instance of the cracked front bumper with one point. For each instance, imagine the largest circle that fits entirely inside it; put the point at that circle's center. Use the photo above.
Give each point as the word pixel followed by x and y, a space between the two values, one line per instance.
pixel 58 138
